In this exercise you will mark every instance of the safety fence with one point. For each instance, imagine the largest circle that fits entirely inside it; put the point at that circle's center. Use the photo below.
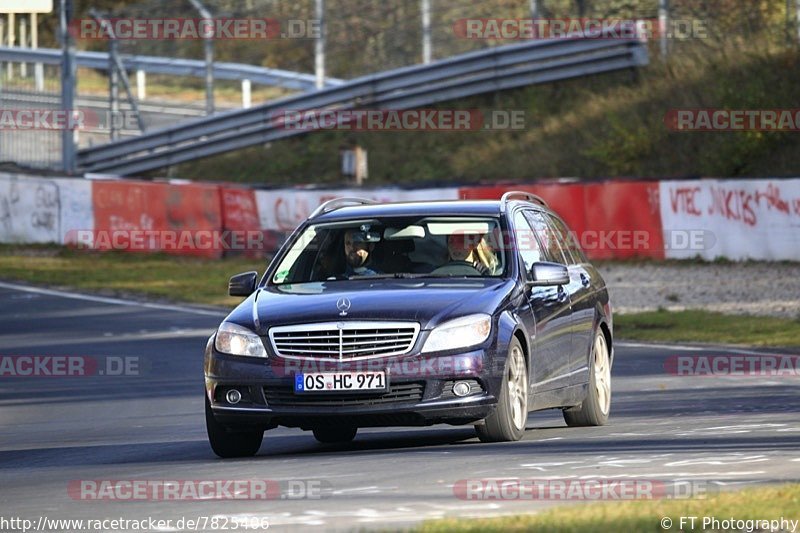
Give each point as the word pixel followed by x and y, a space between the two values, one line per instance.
pixel 615 219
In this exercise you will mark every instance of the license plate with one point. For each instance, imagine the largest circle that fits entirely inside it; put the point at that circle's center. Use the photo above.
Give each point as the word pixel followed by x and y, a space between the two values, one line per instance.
pixel 339 381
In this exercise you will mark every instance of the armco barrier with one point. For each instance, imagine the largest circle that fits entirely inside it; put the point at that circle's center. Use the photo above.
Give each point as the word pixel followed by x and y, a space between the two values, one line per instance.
pixel 735 219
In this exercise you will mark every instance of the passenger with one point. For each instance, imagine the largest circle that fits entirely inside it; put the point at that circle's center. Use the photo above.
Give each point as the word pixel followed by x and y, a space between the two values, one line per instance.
pixel 473 250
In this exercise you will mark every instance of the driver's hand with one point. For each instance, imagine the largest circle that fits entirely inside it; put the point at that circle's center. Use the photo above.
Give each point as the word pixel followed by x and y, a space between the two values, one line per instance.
pixel 481 268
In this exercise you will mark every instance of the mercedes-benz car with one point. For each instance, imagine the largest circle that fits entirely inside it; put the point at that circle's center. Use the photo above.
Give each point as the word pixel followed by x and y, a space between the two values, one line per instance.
pixel 413 314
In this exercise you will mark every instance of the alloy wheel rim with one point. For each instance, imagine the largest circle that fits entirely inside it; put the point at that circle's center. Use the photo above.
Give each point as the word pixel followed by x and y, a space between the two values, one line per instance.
pixel 517 388
pixel 602 374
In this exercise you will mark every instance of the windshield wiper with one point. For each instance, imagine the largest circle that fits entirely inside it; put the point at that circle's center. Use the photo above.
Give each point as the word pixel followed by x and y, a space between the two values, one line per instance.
pixel 396 275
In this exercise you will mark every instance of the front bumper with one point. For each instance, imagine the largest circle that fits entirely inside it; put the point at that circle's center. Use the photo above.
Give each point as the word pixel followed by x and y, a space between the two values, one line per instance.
pixel 419 391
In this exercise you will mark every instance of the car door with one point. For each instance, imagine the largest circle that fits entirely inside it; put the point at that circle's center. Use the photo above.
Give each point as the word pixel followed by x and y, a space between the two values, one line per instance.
pixel 550 308
pixel 581 298
pixel 552 251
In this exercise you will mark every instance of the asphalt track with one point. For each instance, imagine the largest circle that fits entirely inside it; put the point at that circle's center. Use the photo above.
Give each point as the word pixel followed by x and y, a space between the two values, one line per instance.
pixel 729 431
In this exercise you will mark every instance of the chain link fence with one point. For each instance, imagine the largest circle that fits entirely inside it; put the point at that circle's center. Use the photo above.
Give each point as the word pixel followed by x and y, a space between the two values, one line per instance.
pixel 30 111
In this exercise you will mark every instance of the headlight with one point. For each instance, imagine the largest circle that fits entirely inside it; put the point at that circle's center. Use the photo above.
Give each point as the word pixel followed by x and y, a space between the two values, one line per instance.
pixel 237 340
pixel 459 333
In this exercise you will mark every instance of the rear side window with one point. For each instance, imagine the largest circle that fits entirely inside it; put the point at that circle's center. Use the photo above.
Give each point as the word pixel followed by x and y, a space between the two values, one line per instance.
pixel 567 239
pixel 548 237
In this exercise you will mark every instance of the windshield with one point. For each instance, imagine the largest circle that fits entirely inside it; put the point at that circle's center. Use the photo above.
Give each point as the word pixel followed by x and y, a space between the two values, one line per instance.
pixel 394 248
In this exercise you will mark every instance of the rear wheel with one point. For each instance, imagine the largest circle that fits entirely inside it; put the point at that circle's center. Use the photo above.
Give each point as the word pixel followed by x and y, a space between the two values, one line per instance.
pixel 335 435
pixel 507 423
pixel 227 442
pixel 594 410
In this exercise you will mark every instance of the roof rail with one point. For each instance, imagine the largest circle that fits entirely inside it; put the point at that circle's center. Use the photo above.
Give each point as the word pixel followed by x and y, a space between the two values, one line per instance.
pixel 336 203
pixel 527 196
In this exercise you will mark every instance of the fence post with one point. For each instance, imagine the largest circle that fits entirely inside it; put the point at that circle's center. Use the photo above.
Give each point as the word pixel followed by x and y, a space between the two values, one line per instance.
pixel 247 100
pixel 663 21
pixel 11 39
pixel 141 84
pixel 208 45
pixel 113 89
pixel 797 17
pixel 67 87
pixel 23 43
pixel 427 50
pixel 38 68
pixel 319 44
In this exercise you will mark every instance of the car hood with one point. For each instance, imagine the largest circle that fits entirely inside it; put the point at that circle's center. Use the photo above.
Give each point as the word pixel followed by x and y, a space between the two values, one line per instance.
pixel 429 301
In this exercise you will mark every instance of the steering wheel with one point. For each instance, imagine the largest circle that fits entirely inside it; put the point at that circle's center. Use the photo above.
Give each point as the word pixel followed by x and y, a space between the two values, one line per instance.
pixel 457 268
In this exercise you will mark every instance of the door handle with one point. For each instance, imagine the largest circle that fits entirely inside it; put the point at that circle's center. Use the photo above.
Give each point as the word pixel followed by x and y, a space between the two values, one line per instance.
pixel 584 280
pixel 562 294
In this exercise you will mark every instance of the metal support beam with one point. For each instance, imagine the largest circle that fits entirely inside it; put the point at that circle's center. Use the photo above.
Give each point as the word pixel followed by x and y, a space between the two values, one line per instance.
pixel 118 67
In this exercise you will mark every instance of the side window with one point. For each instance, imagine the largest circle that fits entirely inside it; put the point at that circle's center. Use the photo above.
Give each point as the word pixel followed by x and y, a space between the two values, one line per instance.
pixel 568 240
pixel 547 236
pixel 527 245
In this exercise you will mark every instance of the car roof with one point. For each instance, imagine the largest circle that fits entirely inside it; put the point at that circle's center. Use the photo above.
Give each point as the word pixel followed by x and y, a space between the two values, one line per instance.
pixel 433 208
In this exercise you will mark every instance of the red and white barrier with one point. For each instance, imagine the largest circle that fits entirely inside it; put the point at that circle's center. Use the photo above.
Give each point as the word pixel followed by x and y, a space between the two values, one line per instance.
pixel 710 218
pixel 735 219
pixel 284 209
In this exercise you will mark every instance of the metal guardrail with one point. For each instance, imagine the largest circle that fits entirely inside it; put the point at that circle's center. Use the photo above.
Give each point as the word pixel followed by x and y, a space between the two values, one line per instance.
pixel 177 67
pixel 460 76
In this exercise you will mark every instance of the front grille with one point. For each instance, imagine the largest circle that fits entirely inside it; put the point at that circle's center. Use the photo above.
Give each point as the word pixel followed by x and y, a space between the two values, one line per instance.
pixel 397 393
pixel 344 340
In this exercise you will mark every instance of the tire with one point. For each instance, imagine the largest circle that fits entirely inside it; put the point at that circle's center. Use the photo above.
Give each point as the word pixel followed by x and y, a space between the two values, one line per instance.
pixel 507 423
pixel 227 442
pixel 335 435
pixel 594 410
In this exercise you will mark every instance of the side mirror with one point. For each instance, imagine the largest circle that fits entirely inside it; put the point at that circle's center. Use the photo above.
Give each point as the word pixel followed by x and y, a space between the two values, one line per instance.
pixel 243 284
pixel 548 274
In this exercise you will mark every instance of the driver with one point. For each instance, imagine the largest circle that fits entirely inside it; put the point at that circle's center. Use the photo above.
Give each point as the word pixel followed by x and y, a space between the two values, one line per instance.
pixel 473 250
pixel 358 254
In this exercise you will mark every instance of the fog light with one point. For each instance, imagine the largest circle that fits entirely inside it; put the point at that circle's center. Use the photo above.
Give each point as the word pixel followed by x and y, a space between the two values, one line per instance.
pixel 233 396
pixel 461 388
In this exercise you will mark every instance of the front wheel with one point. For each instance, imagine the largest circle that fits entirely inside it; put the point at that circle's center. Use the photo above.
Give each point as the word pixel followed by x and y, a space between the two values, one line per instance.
pixel 507 423
pixel 228 444
pixel 594 410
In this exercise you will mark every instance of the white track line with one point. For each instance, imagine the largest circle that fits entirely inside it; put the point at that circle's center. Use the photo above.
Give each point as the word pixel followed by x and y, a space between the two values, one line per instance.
pixel 112 301
pixel 685 348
